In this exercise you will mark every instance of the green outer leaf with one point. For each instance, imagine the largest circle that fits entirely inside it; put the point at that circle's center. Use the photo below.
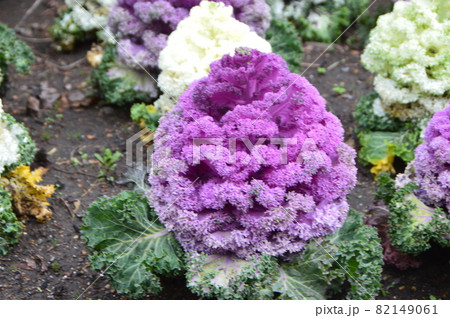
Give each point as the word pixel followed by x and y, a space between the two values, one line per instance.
pixel 302 278
pixel 13 51
pixel 385 188
pixel 380 134
pixel 286 42
pixel 377 144
pixel 366 119
pixel 140 112
pixel 125 237
pixel 358 257
pixel 405 146
pixel 10 227
pixel 409 235
pixel 230 277
pixel 139 177
pixel 351 254
pixel 119 91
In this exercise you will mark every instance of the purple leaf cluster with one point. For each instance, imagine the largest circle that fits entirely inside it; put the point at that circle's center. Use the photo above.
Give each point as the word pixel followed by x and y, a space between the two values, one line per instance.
pixel 432 162
pixel 142 26
pixel 271 199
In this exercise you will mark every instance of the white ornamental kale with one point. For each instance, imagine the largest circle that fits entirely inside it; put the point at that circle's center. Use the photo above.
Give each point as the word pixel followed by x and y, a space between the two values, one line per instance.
pixel 16 145
pixel 9 144
pixel 96 16
pixel 409 52
pixel 81 21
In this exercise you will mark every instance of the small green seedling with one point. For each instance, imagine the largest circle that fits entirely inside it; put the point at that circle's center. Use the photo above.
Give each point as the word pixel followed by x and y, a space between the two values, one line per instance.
pixel 54 242
pixel 74 135
pixel 108 161
pixel 56 266
pixel 83 155
pixel 339 89
pixel 12 268
pixel 46 136
pixel 321 70
pixel 74 162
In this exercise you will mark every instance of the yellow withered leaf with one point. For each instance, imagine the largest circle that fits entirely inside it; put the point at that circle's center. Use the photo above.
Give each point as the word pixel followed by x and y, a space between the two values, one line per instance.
pixel 385 164
pixel 95 55
pixel 29 198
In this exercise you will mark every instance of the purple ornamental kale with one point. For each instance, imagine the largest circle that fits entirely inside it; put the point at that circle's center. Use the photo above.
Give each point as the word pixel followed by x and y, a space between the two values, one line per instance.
pixel 432 162
pixel 272 200
pixel 142 26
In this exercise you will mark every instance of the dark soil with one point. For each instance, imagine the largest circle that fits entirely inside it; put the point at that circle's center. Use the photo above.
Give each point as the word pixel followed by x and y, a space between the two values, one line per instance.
pixel 50 261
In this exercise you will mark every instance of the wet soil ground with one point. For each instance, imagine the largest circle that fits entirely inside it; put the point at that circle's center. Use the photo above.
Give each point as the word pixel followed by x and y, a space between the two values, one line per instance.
pixel 69 127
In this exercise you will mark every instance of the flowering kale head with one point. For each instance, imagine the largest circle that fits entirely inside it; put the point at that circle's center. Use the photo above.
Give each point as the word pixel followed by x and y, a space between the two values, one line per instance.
pixel 142 26
pixel 432 162
pixel 81 21
pixel 222 197
pixel 409 51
